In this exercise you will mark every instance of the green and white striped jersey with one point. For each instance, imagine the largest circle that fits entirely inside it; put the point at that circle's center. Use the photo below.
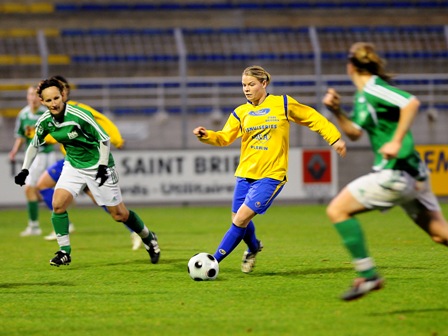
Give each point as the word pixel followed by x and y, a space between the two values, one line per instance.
pixel 377 111
pixel 79 133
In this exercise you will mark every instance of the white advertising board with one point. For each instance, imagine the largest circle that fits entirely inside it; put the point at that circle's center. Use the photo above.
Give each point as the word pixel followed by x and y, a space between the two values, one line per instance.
pixel 179 176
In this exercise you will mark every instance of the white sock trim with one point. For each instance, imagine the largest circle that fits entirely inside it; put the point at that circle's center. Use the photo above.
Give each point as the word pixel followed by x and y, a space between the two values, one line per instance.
pixel 63 240
pixel 144 233
pixel 363 264
pixel 33 224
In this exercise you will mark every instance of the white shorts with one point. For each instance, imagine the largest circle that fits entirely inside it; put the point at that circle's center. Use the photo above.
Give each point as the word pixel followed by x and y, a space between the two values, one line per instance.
pixel 40 163
pixel 387 188
pixel 75 180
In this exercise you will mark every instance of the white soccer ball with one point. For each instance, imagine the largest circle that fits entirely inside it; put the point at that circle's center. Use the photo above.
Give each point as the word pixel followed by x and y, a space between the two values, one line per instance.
pixel 203 266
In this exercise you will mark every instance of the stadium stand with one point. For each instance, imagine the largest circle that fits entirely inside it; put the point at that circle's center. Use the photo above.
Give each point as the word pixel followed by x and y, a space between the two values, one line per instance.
pixel 408 49
pixel 153 53
pixel 130 5
pixel 214 52
pixel 122 57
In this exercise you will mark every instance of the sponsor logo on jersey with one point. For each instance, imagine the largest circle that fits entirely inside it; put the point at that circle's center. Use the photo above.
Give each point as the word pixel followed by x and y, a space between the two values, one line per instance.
pixel 259 148
pixel 272 119
pixel 72 135
pixel 261 112
pixel 260 127
pixel 261 137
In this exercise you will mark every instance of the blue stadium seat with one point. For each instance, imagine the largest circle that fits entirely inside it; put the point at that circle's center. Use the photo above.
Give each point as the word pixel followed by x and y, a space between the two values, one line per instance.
pixel 247 5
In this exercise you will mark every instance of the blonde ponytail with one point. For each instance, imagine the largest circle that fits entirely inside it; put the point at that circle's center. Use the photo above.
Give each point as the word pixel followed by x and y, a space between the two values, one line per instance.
pixel 365 58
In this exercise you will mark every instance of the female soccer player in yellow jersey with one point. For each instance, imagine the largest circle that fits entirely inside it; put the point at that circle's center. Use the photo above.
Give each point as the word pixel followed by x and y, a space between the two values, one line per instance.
pixel 263 125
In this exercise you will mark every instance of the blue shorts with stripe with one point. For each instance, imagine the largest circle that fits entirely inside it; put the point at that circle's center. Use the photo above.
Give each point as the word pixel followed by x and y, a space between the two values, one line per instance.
pixel 55 170
pixel 256 194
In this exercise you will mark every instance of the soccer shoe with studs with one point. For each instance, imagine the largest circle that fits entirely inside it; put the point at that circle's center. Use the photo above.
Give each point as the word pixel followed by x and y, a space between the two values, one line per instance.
pixel 153 249
pixel 248 262
pixel 136 241
pixel 52 236
pixel 31 231
pixel 361 287
pixel 61 258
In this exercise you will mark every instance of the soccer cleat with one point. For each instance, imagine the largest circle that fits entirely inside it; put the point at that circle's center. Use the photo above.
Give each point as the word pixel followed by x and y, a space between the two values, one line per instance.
pixel 153 249
pixel 361 287
pixel 31 231
pixel 136 241
pixel 52 235
pixel 61 258
pixel 248 263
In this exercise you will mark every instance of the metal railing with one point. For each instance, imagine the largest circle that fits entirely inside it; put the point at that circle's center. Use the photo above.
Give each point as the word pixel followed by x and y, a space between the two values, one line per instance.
pixel 135 102
pixel 204 94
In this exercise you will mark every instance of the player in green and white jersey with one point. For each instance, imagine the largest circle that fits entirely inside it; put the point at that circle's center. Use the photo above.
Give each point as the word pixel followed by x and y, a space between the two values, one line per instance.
pixel 88 159
pixel 49 178
pixel 24 133
pixel 399 176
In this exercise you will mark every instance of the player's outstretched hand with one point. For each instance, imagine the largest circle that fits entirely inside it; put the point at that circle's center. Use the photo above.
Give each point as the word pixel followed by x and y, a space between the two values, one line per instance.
pixel 340 147
pixel 200 131
pixel 102 174
pixel 332 100
pixel 20 178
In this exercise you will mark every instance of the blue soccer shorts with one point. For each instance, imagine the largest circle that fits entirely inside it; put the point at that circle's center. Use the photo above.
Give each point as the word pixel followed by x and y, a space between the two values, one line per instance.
pixel 55 170
pixel 258 195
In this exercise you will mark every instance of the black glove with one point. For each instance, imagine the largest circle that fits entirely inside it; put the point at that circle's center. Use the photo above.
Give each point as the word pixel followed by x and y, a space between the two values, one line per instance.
pixel 21 177
pixel 102 174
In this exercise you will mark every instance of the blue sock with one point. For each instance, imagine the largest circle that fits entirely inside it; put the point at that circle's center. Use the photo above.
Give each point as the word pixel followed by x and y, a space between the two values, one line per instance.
pixel 250 239
pixel 105 208
pixel 231 240
pixel 127 227
pixel 47 196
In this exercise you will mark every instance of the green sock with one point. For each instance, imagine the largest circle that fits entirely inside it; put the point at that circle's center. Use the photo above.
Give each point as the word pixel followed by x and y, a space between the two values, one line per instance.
pixel 33 210
pixel 60 225
pixel 353 239
pixel 135 223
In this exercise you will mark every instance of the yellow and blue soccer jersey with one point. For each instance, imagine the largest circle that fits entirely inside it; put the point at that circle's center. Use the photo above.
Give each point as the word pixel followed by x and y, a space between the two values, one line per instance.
pixel 115 136
pixel 264 132
pixel 108 126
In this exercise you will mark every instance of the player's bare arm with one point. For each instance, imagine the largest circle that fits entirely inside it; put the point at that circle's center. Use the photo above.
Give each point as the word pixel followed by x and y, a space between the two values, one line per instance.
pixel 332 101
pixel 407 115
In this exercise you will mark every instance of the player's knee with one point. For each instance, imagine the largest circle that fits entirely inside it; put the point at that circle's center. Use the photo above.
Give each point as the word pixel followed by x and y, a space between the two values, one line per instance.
pixel 336 214
pixel 332 213
pixel 58 208
pixel 119 217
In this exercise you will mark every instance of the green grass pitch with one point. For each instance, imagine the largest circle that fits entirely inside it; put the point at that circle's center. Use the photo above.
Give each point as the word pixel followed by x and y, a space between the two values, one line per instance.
pixel 111 290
